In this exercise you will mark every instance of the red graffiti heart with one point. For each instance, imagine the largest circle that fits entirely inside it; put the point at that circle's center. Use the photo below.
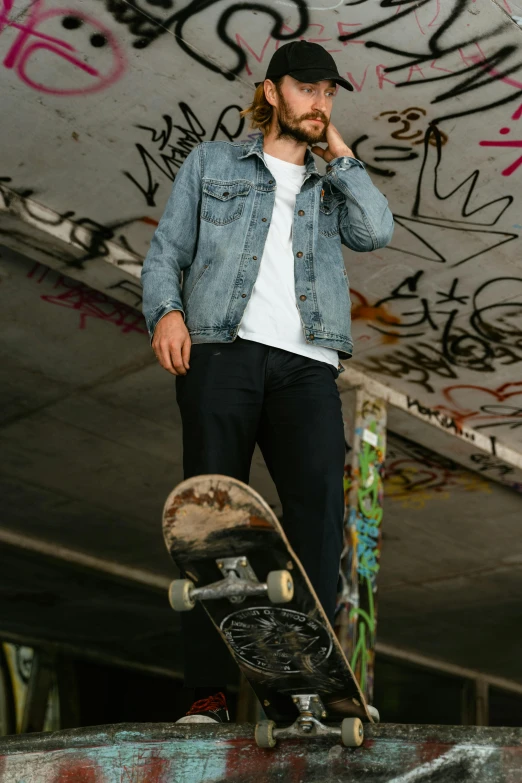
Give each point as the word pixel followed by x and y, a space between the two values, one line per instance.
pixel 464 411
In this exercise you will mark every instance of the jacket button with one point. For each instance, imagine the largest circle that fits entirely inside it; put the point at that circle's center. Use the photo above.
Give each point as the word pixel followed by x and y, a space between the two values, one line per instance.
pixel 302 297
pixel 310 337
pixel 243 296
pixel 270 181
pixel 299 255
pixel 264 220
pixel 301 212
pixel 226 194
pixel 255 258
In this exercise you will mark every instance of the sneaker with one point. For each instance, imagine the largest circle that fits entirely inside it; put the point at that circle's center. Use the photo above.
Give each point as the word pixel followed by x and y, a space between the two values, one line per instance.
pixel 211 710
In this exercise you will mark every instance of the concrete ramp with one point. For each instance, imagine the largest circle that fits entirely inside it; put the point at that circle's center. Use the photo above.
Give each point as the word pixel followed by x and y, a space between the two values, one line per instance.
pixel 166 753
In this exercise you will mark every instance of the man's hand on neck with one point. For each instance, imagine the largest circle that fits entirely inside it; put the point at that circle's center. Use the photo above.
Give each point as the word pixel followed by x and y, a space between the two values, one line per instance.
pixel 336 147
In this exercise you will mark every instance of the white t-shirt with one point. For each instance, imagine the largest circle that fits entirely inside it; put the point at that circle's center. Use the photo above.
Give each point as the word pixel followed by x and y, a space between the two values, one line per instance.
pixel 271 316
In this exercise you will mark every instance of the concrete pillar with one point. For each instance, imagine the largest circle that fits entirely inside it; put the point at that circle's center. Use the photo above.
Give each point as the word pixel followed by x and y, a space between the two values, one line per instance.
pixel 356 620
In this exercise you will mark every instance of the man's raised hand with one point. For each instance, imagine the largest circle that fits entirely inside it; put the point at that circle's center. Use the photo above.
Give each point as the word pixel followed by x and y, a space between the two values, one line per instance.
pixel 336 147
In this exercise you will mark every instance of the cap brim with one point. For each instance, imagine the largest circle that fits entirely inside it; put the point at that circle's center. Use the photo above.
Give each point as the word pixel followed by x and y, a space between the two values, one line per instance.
pixel 315 75
pixel 319 75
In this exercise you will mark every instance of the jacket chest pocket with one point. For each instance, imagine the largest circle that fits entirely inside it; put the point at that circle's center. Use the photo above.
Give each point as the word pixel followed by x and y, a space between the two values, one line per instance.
pixel 329 214
pixel 223 202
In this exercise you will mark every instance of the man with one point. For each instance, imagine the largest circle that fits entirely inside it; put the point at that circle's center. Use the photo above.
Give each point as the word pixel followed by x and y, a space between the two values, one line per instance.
pixel 254 331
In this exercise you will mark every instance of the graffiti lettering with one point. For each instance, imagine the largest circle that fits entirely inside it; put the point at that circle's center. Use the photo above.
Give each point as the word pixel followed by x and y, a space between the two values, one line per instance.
pixel 444 421
pixel 483 70
pixel 89 304
pixel 148 27
pixel 171 156
pixel 486 462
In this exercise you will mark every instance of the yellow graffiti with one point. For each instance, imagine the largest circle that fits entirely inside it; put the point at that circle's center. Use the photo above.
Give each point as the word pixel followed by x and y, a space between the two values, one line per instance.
pixel 405 488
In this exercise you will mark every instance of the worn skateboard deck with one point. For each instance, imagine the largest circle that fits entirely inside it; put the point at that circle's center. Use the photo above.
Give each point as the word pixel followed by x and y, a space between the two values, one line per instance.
pixel 282 649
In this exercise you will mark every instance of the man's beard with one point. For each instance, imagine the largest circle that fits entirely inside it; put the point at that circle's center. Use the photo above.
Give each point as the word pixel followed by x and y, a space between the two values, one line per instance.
pixel 290 125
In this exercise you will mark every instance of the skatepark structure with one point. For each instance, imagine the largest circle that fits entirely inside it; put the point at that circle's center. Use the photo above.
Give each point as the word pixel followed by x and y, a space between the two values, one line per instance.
pixel 205 754
pixel 101 102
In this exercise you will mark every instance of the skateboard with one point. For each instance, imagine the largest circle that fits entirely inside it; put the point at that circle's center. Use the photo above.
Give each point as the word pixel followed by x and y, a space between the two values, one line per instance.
pixel 236 560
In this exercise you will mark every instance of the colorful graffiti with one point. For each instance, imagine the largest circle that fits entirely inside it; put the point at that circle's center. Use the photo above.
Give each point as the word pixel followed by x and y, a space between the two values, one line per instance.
pixel 69 35
pixel 356 613
pixel 415 475
pixel 484 408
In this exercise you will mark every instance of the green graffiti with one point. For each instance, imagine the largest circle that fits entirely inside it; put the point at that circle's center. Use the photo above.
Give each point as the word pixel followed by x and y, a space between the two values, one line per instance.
pixel 366 624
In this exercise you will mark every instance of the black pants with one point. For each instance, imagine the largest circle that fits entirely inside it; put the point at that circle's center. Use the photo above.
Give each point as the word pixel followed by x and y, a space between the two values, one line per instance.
pixel 240 393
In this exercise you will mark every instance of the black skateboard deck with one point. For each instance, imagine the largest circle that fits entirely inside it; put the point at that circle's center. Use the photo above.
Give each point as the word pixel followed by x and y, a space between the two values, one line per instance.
pixel 216 527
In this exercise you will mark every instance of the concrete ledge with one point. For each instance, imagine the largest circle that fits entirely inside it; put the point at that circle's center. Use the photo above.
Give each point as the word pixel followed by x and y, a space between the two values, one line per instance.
pixel 169 753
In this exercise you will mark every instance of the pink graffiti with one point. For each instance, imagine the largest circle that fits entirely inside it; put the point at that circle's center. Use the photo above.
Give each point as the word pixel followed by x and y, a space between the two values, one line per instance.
pixel 518 143
pixel 517 114
pixel 32 39
pixel 89 303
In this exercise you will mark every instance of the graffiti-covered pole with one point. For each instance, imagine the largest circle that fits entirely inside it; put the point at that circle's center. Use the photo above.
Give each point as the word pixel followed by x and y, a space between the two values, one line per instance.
pixel 356 621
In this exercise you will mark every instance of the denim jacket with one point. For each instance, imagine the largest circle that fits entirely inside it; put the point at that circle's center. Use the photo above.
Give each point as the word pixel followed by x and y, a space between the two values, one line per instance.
pixel 205 253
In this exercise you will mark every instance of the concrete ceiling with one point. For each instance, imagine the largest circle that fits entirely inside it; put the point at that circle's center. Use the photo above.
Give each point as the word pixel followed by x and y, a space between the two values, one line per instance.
pixel 101 101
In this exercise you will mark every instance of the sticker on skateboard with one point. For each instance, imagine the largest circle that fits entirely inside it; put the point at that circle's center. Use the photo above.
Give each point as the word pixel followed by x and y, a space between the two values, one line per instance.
pixel 277 640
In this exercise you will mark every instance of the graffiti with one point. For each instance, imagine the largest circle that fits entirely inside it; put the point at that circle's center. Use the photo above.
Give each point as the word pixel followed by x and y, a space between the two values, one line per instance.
pixel 168 157
pixel 479 71
pixel 369 516
pixel 415 475
pixel 459 763
pixel 68 34
pixel 485 408
pixel 139 754
pixel 131 288
pixel 441 239
pixel 84 233
pixel 356 611
pixel 89 304
pixel 485 462
pixel 476 329
pixel 446 422
pixel 513 166
pixel 414 128
pixel 487 337
pixel 148 27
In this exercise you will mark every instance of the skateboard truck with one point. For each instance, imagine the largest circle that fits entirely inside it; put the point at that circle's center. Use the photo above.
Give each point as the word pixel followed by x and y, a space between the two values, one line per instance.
pixel 239 582
pixel 308 724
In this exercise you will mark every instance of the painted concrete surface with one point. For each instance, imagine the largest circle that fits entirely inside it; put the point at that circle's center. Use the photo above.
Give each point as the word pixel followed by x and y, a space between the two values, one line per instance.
pixel 186 754
pixel 102 101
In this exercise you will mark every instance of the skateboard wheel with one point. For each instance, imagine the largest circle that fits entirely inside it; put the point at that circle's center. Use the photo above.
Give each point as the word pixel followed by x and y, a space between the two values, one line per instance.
pixel 179 595
pixel 352 732
pixel 280 587
pixel 265 734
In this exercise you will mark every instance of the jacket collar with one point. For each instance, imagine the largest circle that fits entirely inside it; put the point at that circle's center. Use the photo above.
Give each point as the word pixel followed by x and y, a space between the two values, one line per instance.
pixel 256 148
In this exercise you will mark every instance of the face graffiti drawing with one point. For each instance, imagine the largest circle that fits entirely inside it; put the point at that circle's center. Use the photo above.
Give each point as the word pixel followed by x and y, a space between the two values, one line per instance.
pixel 406 129
pixel 60 51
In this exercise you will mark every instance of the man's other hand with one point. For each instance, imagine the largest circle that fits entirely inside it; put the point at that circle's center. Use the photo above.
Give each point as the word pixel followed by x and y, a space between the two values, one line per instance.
pixel 171 343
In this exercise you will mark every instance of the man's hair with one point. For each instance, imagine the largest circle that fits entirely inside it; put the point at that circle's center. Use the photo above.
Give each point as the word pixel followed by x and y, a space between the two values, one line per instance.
pixel 260 111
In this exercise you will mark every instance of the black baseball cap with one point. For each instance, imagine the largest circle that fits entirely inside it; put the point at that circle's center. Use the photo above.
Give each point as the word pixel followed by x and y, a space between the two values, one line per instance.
pixel 306 62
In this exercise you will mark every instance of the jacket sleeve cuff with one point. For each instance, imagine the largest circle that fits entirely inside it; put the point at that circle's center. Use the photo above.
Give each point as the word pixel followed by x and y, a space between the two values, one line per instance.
pixel 166 307
pixel 344 163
